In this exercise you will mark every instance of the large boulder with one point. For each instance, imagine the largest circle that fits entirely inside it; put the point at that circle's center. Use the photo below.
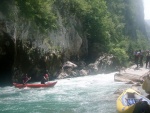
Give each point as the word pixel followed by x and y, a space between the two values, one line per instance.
pixel 83 72
pixel 146 84
pixel 103 64
pixel 69 64
pixel 131 74
pixel 67 70
pixel 127 77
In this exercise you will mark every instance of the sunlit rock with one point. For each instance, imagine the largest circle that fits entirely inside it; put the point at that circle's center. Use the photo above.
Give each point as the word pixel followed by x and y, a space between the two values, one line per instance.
pixel 146 84
pixel 130 82
pixel 69 64
pixel 131 74
pixel 83 72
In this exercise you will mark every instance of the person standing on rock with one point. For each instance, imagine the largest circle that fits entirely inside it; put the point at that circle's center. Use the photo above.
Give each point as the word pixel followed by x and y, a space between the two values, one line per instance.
pixel 141 58
pixel 147 59
pixel 134 53
pixel 137 55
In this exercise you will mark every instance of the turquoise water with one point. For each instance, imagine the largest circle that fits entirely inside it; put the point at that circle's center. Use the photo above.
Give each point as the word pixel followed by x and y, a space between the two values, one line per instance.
pixel 89 94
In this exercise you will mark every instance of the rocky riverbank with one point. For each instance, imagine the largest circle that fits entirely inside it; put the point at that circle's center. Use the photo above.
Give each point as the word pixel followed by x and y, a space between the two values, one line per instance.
pixel 131 74
pixel 134 76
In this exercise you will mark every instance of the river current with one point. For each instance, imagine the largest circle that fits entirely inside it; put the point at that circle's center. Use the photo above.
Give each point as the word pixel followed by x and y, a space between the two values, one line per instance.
pixel 88 94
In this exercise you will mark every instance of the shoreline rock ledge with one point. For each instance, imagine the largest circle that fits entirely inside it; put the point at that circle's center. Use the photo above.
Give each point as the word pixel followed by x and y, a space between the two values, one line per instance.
pixel 136 76
pixel 132 74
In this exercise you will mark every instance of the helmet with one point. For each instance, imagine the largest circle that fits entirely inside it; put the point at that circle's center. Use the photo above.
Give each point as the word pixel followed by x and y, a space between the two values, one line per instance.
pixel 46 75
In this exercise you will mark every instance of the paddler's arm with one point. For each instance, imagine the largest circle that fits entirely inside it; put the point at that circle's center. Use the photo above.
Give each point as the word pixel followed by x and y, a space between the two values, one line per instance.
pixel 27 80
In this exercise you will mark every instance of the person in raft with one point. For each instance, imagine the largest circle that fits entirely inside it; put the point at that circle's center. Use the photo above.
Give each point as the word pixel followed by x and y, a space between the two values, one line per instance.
pixel 25 79
pixel 45 78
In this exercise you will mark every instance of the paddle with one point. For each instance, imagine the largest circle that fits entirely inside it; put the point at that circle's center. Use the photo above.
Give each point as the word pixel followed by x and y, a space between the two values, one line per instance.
pixel 27 80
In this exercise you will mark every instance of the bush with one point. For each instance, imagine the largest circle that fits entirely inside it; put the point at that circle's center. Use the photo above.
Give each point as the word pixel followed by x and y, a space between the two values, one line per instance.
pixel 120 55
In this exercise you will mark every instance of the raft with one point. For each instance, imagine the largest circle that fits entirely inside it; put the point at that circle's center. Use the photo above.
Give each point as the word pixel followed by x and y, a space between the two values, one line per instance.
pixel 49 84
pixel 130 101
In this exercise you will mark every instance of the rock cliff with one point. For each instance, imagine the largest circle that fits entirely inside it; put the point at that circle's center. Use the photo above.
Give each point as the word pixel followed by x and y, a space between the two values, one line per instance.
pixel 28 49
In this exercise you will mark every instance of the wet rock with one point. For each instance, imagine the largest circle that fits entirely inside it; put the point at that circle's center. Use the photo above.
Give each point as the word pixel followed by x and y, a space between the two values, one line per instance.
pixel 137 84
pixel 130 82
pixel 121 78
pixel 69 64
pixel 67 70
pixel 83 72
pixel 62 75
pixel 102 64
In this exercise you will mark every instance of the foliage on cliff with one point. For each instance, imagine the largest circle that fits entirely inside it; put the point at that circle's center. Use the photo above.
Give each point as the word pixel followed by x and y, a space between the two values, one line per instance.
pixel 111 26
pixel 148 27
pixel 39 11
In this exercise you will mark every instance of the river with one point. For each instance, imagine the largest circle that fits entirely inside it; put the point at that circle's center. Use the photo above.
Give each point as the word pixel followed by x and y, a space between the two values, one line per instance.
pixel 89 94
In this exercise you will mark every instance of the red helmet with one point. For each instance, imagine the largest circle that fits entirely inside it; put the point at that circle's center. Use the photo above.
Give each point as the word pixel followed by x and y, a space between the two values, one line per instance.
pixel 46 75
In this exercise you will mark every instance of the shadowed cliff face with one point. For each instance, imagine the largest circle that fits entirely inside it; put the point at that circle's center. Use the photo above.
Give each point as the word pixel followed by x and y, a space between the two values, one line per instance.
pixel 147 24
pixel 7 52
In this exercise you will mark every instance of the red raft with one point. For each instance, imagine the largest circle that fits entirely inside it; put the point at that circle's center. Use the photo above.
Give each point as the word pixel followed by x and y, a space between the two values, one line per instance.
pixel 49 84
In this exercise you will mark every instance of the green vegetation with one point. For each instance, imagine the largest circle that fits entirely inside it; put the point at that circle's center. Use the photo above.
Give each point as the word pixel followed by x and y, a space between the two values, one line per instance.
pixel 121 56
pixel 111 26
pixel 39 11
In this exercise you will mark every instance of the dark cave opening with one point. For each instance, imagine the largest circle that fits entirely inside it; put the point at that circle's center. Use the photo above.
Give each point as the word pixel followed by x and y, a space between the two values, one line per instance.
pixel 7 53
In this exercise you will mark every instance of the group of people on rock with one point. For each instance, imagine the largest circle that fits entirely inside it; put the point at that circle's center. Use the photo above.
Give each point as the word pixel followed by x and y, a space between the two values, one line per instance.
pixel 139 56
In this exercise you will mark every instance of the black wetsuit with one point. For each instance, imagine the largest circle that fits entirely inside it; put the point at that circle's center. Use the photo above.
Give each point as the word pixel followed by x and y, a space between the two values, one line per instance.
pixel 147 60
pixel 43 80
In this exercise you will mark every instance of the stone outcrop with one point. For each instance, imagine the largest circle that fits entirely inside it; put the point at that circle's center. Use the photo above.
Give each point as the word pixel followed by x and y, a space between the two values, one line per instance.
pixel 135 76
pixel 70 69
pixel 67 70
pixel 102 64
pixel 126 77
pixel 131 74
pixel 146 84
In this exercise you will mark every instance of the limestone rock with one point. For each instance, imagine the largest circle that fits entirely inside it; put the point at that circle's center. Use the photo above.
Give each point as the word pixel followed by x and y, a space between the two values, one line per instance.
pixel 146 84
pixel 131 74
